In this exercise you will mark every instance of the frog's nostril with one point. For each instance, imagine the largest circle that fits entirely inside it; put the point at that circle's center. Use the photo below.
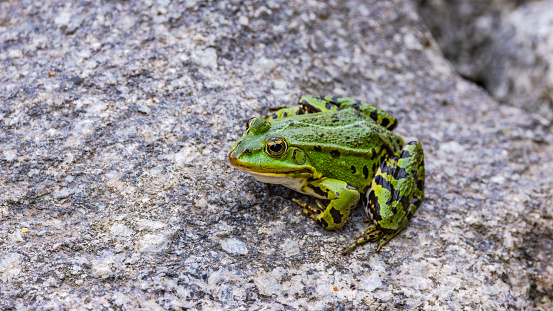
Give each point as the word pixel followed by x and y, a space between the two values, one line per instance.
pixel 247 151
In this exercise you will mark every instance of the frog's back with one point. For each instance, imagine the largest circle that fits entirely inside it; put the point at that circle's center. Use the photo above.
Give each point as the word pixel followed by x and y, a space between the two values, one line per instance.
pixel 344 145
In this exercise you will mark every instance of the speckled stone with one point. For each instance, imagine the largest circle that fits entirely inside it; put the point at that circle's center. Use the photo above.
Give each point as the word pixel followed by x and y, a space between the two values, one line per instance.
pixel 115 193
pixel 504 45
pixel 519 62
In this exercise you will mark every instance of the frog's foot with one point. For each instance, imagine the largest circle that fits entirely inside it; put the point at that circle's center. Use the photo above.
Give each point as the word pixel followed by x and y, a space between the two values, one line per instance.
pixel 370 234
pixel 311 211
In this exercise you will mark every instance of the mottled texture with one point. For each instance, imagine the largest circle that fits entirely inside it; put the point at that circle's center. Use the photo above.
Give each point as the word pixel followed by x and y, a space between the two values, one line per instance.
pixel 465 29
pixel 504 45
pixel 519 62
pixel 115 191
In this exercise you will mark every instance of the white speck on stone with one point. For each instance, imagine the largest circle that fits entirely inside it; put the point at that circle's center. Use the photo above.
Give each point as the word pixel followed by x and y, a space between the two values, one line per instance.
pixel 206 58
pixel 120 298
pixel 243 20
pixel 80 130
pixel 185 156
pixel 153 243
pixel 16 236
pixel 377 264
pixel 451 147
pixel 497 288
pixel 102 266
pixel 120 229
pixel 201 203
pixel 339 91
pixel 290 247
pixel 371 282
pixel 190 3
pixel 234 246
pixel 224 228
pixel 508 240
pixel 62 193
pixel 215 278
pixel 9 155
pixel 280 84
pixel 123 89
pixel 144 109
pixel 33 172
pixel 51 282
pixel 267 283
pixel 9 266
pixel 411 42
pixel 146 224
pixel 499 179
pixel 95 107
pixel 63 18
pixel 15 53
pixel 438 62
pixel 265 65
pixel 150 305
pixel 69 157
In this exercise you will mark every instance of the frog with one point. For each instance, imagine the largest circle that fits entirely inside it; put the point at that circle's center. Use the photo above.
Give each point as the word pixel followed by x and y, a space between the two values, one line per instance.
pixel 340 150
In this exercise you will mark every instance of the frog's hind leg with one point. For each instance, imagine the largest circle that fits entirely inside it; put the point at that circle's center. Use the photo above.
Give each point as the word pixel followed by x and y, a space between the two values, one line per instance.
pixel 412 160
pixel 284 112
pixel 396 193
pixel 370 234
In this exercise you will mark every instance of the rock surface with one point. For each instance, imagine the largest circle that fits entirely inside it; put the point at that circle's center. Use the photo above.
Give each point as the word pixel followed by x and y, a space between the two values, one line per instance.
pixel 465 29
pixel 115 191
pixel 518 66
pixel 504 45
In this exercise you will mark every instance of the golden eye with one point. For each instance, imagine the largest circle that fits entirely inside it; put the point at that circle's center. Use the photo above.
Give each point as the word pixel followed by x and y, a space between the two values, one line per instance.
pixel 275 147
pixel 249 122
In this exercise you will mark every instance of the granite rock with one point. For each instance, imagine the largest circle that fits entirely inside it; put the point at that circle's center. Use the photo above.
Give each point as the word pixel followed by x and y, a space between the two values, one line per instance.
pixel 503 45
pixel 518 66
pixel 115 193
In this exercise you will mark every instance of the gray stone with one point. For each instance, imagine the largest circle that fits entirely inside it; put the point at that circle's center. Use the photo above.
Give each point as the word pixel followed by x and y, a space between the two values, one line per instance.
pixel 519 63
pixel 465 29
pixel 234 246
pixel 504 45
pixel 127 210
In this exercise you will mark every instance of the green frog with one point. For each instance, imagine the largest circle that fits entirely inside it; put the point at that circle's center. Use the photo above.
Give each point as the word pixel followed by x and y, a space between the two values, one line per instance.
pixel 341 150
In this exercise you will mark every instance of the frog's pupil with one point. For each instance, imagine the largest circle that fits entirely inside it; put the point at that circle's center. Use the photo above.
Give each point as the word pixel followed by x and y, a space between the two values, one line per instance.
pixel 276 147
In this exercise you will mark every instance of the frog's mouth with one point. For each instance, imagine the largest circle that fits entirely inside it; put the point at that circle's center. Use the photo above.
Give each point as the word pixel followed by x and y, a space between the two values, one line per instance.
pixel 292 180
pixel 283 174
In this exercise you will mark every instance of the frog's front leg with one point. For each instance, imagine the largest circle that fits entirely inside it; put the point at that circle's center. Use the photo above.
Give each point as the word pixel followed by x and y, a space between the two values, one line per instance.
pixel 395 195
pixel 343 198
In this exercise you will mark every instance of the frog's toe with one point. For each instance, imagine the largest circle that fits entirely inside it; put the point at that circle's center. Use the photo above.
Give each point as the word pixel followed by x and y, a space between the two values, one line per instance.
pixel 320 206
pixel 371 233
pixel 309 210
pixel 385 239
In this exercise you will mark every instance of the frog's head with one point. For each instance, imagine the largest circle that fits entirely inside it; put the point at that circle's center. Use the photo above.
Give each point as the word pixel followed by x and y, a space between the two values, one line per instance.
pixel 266 154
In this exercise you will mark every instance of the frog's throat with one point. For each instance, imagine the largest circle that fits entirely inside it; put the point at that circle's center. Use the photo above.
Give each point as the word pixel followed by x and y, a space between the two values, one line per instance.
pixel 294 183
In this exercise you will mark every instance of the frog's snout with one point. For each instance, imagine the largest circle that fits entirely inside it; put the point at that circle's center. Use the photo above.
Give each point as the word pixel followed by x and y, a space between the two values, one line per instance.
pixel 233 156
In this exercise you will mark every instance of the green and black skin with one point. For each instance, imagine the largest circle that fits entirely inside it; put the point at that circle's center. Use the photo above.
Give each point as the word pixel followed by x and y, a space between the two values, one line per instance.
pixel 393 190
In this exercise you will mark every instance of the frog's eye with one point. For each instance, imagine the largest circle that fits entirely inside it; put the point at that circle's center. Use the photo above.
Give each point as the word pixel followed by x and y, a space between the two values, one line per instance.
pixel 275 147
pixel 249 122
pixel 258 125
